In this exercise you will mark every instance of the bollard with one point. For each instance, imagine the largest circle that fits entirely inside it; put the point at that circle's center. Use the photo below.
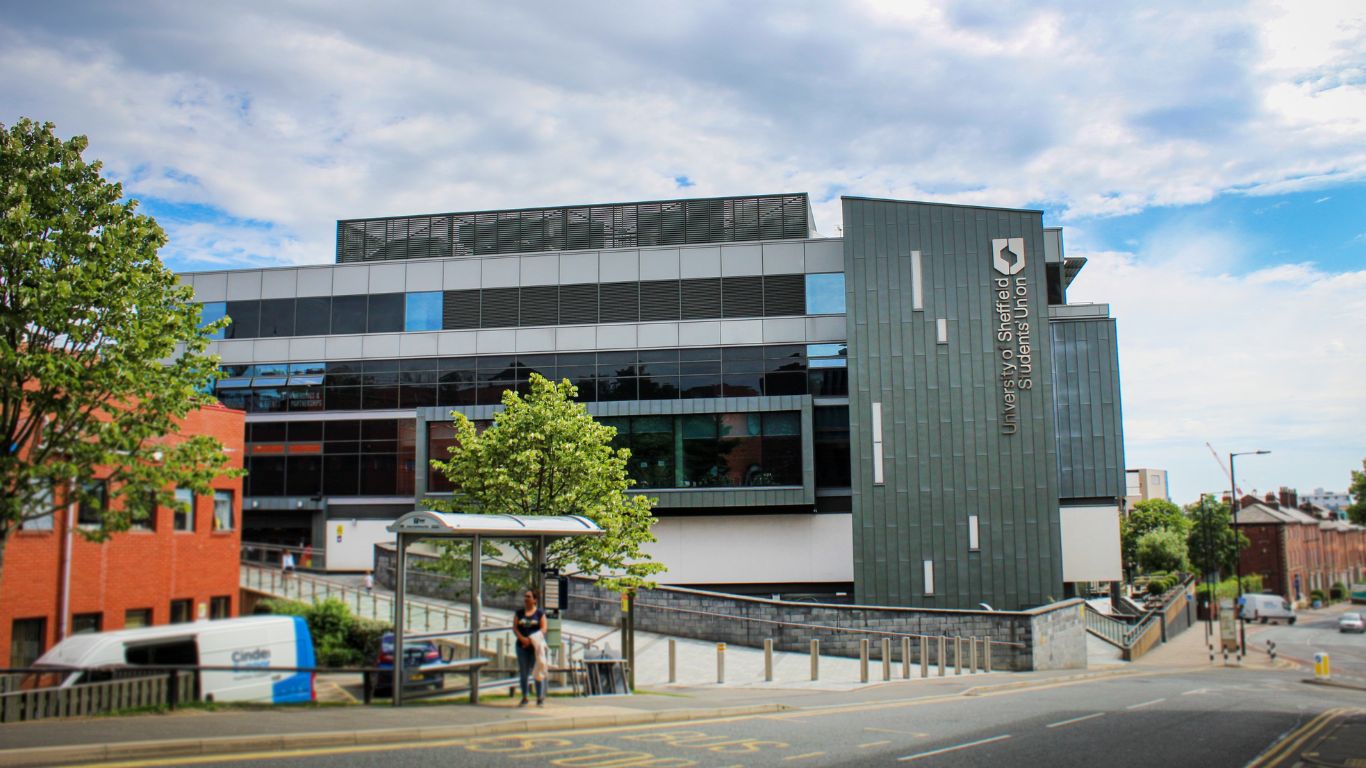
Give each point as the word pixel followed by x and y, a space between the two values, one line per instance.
pixel 673 660
pixel 863 661
pixel 924 656
pixel 941 655
pixel 815 659
pixel 720 663
pixel 972 656
pixel 986 654
pixel 905 658
pixel 768 660
pixel 958 655
pixel 502 651
pixel 1271 650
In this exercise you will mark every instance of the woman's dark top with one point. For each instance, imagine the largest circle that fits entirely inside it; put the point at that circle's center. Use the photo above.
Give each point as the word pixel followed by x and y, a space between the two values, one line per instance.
pixel 526 625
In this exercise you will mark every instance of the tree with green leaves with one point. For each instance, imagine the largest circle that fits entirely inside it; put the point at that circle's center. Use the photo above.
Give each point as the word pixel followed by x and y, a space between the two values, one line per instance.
pixel 544 454
pixel 1147 516
pixel 101 350
pixel 1213 542
pixel 1356 511
pixel 1162 549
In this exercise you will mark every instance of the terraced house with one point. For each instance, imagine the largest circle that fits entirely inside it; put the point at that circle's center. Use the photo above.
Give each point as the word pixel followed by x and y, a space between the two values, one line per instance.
pixel 910 414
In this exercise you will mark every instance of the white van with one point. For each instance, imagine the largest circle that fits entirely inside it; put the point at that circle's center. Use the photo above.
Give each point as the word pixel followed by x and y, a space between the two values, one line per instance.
pixel 254 641
pixel 1266 607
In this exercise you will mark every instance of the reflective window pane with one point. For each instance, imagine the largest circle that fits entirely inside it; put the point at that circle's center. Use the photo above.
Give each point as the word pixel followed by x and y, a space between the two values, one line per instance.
pixel 212 312
pixel 423 311
pixel 277 317
pixel 246 319
pixel 313 316
pixel 825 294
pixel 349 314
pixel 386 313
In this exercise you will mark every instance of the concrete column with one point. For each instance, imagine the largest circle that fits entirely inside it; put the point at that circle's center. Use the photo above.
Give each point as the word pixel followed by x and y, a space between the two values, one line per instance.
pixel 972 657
pixel 673 660
pixel 768 660
pixel 886 659
pixel 941 655
pixel 924 656
pixel 863 661
pixel 815 659
pixel 958 655
pixel 986 654
pixel 905 658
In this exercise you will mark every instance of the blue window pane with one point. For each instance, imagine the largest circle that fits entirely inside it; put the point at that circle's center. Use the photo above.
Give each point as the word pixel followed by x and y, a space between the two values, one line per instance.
pixel 423 312
pixel 211 312
pixel 825 294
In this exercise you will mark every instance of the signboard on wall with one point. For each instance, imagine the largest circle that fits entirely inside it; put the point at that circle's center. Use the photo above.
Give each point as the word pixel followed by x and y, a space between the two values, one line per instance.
pixel 1012 328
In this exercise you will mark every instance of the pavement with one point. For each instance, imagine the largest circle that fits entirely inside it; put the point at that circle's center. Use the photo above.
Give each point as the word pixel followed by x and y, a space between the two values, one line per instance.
pixel 245 730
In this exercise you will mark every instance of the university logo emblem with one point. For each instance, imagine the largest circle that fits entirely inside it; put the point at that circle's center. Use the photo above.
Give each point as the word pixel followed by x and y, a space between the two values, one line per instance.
pixel 1008 255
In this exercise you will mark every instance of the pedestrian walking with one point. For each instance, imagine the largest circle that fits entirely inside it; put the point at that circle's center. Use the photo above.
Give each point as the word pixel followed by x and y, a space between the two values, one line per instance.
pixel 369 582
pixel 287 562
pixel 529 627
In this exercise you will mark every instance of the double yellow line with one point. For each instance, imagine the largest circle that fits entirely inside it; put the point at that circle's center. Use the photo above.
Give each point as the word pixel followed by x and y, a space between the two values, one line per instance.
pixel 1297 738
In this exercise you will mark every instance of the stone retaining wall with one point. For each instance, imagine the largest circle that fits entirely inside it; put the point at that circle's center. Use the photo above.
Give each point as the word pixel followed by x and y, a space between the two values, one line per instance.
pixel 1050 637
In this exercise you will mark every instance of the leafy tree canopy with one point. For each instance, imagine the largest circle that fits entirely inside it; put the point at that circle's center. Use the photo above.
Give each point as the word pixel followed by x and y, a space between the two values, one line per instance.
pixel 544 454
pixel 1213 543
pixel 101 350
pixel 1147 516
pixel 1162 549
pixel 1356 512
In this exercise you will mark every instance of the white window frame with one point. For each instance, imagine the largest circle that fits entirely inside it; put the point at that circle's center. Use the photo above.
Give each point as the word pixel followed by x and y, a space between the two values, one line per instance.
pixel 878 475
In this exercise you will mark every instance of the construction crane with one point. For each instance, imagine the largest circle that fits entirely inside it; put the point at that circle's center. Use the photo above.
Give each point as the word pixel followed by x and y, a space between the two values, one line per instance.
pixel 1224 467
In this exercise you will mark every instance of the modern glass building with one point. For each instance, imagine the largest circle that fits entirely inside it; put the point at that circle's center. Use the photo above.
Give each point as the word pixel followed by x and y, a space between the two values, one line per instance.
pixel 908 415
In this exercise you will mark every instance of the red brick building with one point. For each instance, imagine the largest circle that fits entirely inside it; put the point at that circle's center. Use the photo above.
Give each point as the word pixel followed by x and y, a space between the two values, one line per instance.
pixel 172 568
pixel 1295 552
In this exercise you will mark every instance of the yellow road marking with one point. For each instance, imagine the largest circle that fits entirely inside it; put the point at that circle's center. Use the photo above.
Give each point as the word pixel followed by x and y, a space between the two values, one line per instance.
pixel 231 757
pixel 1297 738
pixel 803 757
pixel 871 744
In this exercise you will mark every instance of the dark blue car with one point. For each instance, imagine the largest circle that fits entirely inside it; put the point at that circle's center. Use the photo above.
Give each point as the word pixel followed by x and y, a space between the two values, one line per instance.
pixel 419 658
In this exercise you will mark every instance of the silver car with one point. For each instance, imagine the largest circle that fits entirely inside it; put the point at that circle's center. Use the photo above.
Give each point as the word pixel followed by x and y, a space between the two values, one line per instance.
pixel 1351 622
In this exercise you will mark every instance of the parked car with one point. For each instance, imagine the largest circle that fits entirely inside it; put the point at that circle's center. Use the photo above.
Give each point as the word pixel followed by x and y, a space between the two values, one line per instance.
pixel 240 644
pixel 1351 622
pixel 419 658
pixel 1267 607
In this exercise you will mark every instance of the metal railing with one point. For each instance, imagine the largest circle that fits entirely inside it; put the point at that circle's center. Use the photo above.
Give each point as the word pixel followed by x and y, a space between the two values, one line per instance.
pixel 1137 638
pixel 274 554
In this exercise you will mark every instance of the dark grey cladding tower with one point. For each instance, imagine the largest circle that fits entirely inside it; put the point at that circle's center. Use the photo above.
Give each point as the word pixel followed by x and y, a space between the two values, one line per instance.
pixel 956 490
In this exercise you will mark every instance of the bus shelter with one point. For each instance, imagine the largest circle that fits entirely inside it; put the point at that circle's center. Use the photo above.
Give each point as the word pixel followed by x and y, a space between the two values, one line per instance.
pixel 427 524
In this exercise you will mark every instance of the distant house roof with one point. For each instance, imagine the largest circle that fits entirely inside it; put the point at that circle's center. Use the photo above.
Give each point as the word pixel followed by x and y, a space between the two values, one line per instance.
pixel 1263 514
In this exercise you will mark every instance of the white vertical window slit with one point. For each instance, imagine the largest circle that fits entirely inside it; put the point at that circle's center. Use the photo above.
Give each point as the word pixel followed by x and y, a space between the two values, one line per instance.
pixel 929 577
pixel 917 284
pixel 974 543
pixel 941 327
pixel 877 444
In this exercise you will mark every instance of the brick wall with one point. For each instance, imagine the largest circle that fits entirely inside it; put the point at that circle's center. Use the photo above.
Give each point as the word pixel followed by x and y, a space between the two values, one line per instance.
pixel 134 569
pixel 1052 637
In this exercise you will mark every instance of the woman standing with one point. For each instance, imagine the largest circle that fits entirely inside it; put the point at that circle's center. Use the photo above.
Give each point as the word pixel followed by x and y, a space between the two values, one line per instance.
pixel 529 626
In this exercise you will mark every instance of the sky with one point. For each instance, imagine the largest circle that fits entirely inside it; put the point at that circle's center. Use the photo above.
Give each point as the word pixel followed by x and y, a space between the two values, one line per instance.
pixel 1209 160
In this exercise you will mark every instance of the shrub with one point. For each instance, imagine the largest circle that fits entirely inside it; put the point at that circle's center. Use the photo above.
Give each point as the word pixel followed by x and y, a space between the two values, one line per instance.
pixel 1252 583
pixel 1162 550
pixel 1338 591
pixel 1317 594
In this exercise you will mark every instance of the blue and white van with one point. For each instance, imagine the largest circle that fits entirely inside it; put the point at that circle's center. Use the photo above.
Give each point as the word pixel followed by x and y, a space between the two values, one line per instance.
pixel 243 644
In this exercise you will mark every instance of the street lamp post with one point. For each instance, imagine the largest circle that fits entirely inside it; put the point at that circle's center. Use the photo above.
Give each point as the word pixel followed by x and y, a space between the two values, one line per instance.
pixel 1238 549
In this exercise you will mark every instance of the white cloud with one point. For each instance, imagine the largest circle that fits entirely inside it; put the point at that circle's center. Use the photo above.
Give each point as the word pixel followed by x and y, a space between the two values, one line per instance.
pixel 298 115
pixel 1273 359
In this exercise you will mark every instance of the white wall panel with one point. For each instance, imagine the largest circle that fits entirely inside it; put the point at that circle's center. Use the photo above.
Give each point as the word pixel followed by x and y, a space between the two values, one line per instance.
pixel 616 336
pixel 456 342
pixel 541 270
pixel 536 340
pixel 236 351
pixel 740 260
pixel 279 283
pixel 350 280
pixel 824 255
pixel 829 328
pixel 578 267
pixel 742 331
pixel 1090 543
pixel 351 543
pixel 417 345
pixel 314 281
pixel 658 263
pixel 784 258
pixel 244 286
pixel 784 329
pixel 503 272
pixel 702 261
pixel 497 342
pixel 742 549
pixel 306 349
pixel 423 276
pixel 462 274
pixel 572 338
pixel 705 333
pixel 619 266
pixel 270 350
pixel 388 278
pixel 658 334
pixel 344 347
pixel 378 345
pixel 211 287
